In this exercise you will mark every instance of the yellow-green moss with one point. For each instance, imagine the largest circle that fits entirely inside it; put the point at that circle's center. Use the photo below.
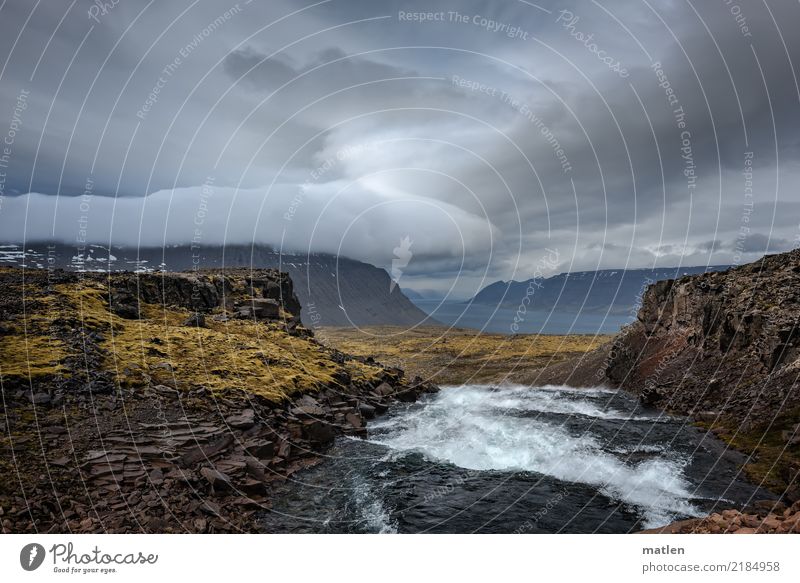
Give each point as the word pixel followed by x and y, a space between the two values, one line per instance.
pixel 237 354
pixel 30 355
pixel 771 459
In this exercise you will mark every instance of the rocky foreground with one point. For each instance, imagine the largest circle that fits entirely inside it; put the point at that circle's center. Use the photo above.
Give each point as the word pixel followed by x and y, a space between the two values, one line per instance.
pixel 767 517
pixel 166 402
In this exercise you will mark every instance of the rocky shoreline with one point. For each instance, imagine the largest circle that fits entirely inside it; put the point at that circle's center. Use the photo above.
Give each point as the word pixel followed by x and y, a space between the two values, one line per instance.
pixel 203 464
pixel 766 517
pixel 97 438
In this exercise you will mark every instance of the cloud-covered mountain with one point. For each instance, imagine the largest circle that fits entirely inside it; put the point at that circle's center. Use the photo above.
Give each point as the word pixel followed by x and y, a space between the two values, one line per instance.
pixel 484 133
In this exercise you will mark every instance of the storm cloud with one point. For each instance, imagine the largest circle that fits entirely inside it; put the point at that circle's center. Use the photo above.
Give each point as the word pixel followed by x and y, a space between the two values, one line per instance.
pixel 618 133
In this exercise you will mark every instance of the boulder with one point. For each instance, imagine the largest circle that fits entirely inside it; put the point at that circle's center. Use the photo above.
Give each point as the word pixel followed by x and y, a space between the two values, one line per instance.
pixel 367 411
pixel 260 309
pixel 125 304
pixel 38 398
pixel 354 420
pixel 406 396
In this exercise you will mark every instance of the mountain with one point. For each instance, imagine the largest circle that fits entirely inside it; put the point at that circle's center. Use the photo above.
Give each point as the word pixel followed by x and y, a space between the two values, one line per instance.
pixel 333 291
pixel 614 290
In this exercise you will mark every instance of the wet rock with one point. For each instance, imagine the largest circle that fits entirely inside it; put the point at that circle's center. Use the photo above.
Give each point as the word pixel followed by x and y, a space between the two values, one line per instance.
pixel 367 411
pixel 406 396
pixel 707 416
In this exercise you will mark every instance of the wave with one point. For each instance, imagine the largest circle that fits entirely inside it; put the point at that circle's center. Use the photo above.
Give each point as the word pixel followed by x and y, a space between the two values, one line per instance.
pixel 470 427
pixel 372 514
pixel 549 399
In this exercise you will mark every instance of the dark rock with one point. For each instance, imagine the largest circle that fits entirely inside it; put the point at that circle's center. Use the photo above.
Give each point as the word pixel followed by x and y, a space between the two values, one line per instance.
pixel 196 320
pixel 318 432
pixel 406 396
pixel 650 397
pixel 308 410
pixel 197 454
pixel 259 309
pixel 38 398
pixel 354 420
pixel 156 477
pixel 244 420
pixel 380 406
pixel 261 449
pixel 384 389
pixel 367 411
pixel 216 479
pixel 125 304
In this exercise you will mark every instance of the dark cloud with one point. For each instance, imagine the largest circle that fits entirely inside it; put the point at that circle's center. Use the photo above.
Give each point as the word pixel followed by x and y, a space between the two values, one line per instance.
pixel 483 149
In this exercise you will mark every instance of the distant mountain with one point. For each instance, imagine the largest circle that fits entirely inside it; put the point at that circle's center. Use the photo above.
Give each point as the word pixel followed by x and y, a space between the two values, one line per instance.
pixel 333 291
pixel 614 290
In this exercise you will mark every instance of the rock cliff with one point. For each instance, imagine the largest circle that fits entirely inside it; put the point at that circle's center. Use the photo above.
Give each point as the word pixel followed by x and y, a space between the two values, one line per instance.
pixel 723 348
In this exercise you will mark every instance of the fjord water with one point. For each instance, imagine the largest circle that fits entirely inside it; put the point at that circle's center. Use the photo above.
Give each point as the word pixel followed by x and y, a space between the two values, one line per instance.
pixel 479 458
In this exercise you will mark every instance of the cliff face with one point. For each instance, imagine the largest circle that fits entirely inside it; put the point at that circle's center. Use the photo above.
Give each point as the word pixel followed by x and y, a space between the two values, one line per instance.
pixel 723 348
pixel 724 342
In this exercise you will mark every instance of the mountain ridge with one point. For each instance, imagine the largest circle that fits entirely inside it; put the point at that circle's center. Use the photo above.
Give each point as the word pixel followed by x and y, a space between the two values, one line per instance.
pixel 599 290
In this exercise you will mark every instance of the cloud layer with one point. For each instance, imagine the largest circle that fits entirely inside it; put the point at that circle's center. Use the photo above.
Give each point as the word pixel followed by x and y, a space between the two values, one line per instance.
pixel 484 131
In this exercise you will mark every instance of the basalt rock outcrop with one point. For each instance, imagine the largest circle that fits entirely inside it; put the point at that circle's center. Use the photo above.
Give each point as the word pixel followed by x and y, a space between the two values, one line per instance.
pixel 263 295
pixel 723 343
pixel 166 402
pixel 723 348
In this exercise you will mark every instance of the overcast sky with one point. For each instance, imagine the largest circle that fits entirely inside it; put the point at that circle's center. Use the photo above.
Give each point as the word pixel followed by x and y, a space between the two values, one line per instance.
pixel 486 132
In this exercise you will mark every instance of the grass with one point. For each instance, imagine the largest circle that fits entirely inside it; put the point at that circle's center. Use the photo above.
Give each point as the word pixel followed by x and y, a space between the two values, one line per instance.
pixel 259 358
pixel 29 347
pixel 30 355
pixel 771 460
pixel 454 356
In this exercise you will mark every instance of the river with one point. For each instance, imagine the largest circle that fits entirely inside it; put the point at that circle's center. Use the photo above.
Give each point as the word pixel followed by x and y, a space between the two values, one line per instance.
pixel 478 458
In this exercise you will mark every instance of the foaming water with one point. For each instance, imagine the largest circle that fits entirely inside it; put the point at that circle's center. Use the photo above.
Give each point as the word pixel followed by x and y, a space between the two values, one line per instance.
pixel 480 458
pixel 475 428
